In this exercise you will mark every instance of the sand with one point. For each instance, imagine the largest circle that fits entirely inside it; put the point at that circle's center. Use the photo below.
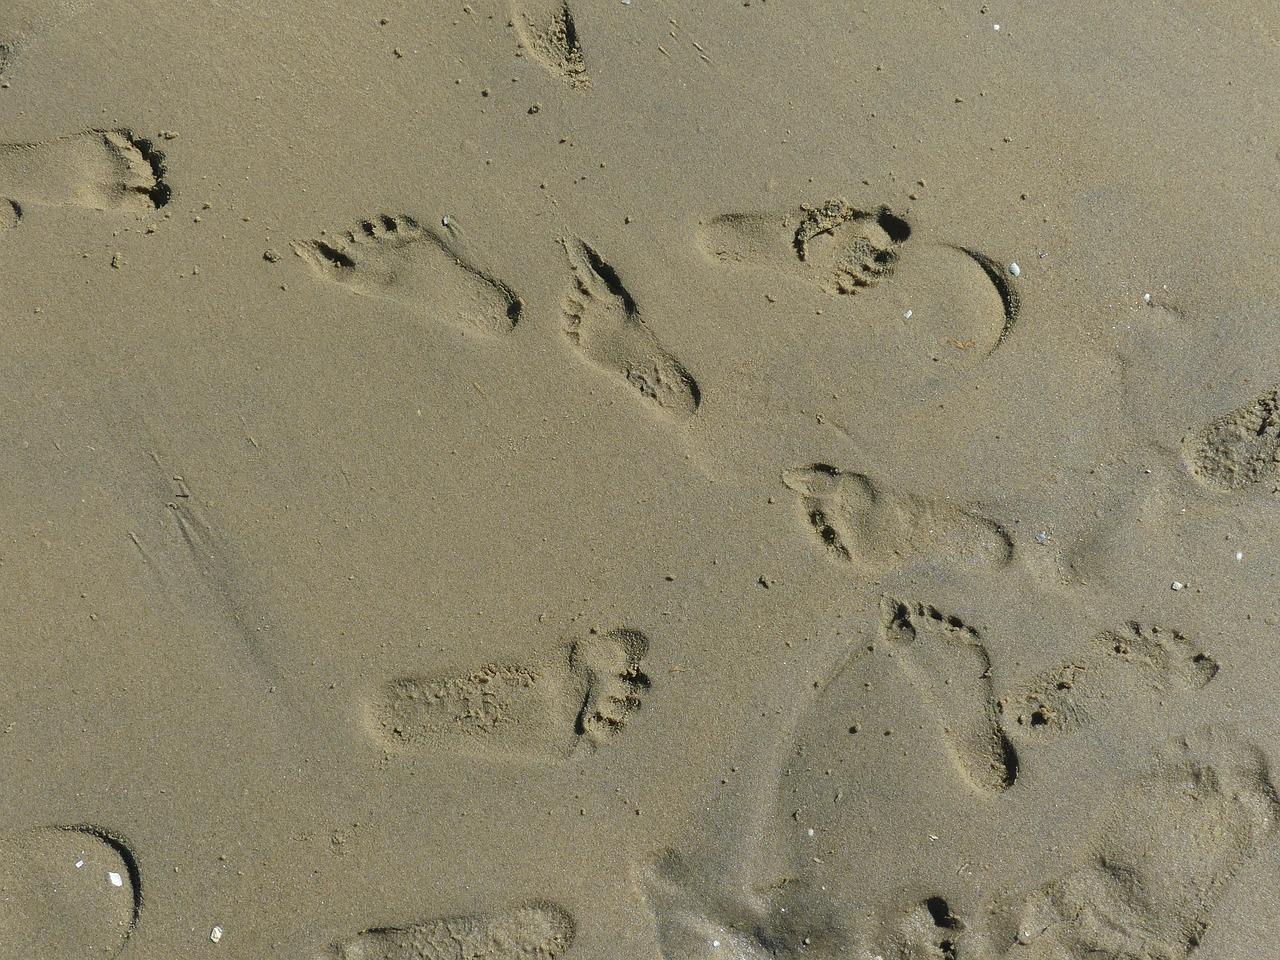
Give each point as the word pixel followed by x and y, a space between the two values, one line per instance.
pixel 517 479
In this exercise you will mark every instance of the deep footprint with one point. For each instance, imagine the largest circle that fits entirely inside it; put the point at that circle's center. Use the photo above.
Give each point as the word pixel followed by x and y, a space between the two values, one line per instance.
pixel 397 258
pixel 547 30
pixel 1241 448
pixel 585 696
pixel 949 665
pixel 860 520
pixel 843 248
pixel 99 169
pixel 604 323
pixel 1163 860
pixel 536 931
pixel 67 892
pixel 1126 665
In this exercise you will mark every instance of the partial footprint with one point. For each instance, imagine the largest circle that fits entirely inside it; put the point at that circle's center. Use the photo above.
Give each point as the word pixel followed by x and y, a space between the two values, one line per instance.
pixel 397 258
pixel 928 930
pixel 1163 860
pixel 547 30
pixel 604 323
pixel 860 520
pixel 842 248
pixel 1241 448
pixel 587 694
pixel 949 665
pixel 535 931
pixel 66 892
pixel 10 214
pixel 100 169
pixel 1120 666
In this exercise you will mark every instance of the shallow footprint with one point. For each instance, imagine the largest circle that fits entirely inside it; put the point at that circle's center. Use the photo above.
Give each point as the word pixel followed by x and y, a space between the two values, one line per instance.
pixel 841 247
pixel 547 29
pixel 397 258
pixel 536 931
pixel 1121 666
pixel 1165 857
pixel 66 892
pixel 98 169
pixel 586 695
pixel 604 323
pixel 860 520
pixel 949 665
pixel 1241 448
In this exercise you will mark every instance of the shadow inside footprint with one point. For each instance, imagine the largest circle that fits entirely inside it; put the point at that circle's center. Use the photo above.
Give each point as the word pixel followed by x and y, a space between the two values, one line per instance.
pixel 67 892
pixel 535 931
pixel 585 695
pixel 397 258
pixel 603 322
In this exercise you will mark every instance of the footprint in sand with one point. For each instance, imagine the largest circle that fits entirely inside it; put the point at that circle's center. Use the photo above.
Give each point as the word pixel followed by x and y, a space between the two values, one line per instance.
pixel 1241 448
pixel 1121 666
pixel 99 169
pixel 860 520
pixel 604 323
pixel 547 30
pixel 949 665
pixel 841 247
pixel 397 258
pixel 535 931
pixel 587 694
pixel 1164 858
pixel 66 892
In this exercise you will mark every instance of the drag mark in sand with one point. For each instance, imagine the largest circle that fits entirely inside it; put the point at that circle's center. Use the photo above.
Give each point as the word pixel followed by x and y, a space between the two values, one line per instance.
pixel 585 695
pixel 397 258
pixel 602 320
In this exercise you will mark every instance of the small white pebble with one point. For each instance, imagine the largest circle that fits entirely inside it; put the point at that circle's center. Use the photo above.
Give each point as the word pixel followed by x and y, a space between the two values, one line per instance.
pixel 907 315
pixel 1042 537
pixel 79 864
pixel 1239 554
pixel 715 943
pixel 115 878
pixel 1146 298
pixel 1014 269
pixel 444 221
pixel 996 27
pixel 1177 585
pixel 810 831
pixel 215 934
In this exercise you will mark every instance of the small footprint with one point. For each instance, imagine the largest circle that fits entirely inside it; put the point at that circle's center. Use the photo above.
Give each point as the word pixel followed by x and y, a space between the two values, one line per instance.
pixel 535 931
pixel 1241 448
pixel 604 323
pixel 949 665
pixel 67 892
pixel 586 695
pixel 1164 858
pixel 841 247
pixel 860 520
pixel 98 169
pixel 1118 667
pixel 397 258
pixel 547 29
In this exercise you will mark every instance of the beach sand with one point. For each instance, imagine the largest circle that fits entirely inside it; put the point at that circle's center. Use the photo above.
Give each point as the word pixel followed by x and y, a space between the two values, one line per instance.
pixel 639 480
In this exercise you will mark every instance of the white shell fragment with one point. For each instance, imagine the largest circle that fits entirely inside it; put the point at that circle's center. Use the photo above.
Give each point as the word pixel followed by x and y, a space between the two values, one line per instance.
pixel 215 934
pixel 1014 269
pixel 1177 585
pixel 115 878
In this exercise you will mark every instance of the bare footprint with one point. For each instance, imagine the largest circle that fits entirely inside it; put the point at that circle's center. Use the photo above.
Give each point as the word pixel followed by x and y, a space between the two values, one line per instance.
pixel 66 892
pixel 927 930
pixel 1241 448
pixel 397 258
pixel 535 931
pixel 860 520
pixel 1125 665
pixel 604 323
pixel 1163 859
pixel 547 30
pixel 99 169
pixel 587 694
pixel 841 247
pixel 949 665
